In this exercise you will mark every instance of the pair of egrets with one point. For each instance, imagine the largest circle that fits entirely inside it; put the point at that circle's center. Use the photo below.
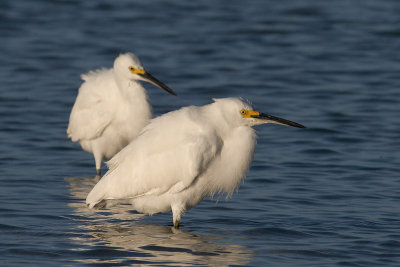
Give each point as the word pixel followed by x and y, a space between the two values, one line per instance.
pixel 171 162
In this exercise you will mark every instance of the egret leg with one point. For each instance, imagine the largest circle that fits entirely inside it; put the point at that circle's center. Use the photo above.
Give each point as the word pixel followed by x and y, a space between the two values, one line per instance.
pixel 177 211
pixel 176 224
pixel 98 157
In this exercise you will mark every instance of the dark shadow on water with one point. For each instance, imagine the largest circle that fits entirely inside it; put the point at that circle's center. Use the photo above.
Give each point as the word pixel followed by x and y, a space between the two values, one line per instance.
pixel 118 236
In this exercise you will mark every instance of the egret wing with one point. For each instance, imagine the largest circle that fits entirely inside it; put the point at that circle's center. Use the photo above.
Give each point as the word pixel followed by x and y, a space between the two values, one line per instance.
pixel 91 114
pixel 134 173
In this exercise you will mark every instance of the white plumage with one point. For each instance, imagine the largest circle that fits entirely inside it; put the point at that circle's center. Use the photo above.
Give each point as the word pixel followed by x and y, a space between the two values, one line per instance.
pixel 183 156
pixel 111 108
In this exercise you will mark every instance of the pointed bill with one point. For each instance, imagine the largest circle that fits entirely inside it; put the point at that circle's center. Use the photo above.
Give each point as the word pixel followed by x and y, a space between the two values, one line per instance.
pixel 151 79
pixel 276 120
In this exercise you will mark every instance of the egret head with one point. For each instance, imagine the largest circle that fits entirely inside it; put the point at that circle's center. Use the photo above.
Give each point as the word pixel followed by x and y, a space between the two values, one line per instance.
pixel 129 67
pixel 238 112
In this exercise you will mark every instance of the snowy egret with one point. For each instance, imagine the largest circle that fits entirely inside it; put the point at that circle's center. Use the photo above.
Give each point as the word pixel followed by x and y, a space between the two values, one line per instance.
pixel 111 108
pixel 183 156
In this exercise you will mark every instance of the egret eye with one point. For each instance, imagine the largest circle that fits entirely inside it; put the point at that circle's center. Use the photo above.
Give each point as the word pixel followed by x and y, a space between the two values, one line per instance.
pixel 131 68
pixel 243 112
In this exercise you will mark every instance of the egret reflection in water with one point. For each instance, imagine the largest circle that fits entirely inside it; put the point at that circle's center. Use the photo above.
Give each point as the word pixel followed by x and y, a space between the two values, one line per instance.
pixel 118 232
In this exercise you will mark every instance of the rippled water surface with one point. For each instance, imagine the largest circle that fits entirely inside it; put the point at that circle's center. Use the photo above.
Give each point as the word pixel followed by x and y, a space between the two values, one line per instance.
pixel 325 196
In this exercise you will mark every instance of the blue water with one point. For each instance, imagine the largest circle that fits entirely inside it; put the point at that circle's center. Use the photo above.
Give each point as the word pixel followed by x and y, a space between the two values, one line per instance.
pixel 324 196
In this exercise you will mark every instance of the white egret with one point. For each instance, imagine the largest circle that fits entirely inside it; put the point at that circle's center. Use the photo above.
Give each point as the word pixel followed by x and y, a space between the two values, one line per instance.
pixel 111 108
pixel 183 156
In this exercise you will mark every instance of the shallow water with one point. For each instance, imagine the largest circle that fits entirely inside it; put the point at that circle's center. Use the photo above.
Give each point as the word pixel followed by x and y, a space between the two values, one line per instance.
pixel 324 196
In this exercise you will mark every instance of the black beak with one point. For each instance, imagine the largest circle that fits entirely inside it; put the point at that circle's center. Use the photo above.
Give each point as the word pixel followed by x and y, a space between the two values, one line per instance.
pixel 150 78
pixel 277 120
